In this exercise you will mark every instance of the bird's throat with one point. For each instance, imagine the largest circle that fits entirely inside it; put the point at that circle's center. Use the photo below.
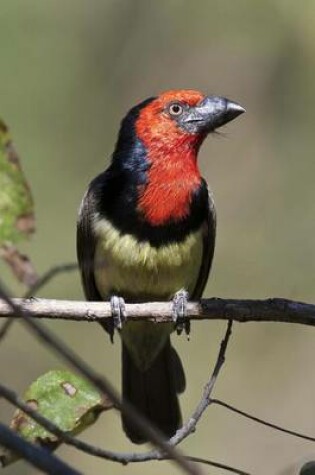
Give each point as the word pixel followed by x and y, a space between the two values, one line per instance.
pixel 171 181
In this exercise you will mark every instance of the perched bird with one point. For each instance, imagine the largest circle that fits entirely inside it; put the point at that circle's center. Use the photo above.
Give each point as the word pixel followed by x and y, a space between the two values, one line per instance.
pixel 146 231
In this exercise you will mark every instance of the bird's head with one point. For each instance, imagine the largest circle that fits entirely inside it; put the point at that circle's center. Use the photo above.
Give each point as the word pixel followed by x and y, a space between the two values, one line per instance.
pixel 181 118
pixel 158 145
pixel 176 119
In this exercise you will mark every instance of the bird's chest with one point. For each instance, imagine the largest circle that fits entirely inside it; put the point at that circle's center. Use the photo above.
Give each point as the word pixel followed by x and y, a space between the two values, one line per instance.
pixel 140 271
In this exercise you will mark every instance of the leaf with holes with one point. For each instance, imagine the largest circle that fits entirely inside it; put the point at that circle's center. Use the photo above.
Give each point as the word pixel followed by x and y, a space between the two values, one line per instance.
pixel 66 399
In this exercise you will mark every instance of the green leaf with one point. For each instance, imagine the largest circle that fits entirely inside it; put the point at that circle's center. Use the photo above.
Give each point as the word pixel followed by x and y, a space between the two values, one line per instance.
pixel 16 203
pixel 16 210
pixel 66 399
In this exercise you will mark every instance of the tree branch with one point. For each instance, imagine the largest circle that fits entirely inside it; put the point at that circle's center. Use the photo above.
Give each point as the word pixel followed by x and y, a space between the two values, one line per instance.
pixel 269 310
pixel 131 457
pixel 99 382
pixel 34 454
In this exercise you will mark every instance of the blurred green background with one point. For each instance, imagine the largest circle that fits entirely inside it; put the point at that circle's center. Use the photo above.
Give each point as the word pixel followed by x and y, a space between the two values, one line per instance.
pixel 69 72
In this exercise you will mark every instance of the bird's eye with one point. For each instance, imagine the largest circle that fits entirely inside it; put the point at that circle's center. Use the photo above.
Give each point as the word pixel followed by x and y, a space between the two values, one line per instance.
pixel 175 109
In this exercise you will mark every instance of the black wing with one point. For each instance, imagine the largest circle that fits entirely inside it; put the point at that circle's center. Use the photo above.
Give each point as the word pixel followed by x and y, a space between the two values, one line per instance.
pixel 209 231
pixel 86 242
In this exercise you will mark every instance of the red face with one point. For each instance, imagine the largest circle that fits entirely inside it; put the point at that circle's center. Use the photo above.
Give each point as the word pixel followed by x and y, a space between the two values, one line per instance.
pixel 172 152
pixel 160 121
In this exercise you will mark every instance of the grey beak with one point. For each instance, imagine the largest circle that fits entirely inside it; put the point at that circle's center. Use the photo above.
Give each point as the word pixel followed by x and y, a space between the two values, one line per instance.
pixel 211 113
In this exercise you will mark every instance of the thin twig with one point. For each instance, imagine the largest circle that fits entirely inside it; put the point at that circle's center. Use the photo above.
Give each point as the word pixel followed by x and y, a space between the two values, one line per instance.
pixel 190 425
pixel 99 382
pixel 34 454
pixel 39 283
pixel 270 310
pixel 261 421
pixel 48 276
pixel 228 468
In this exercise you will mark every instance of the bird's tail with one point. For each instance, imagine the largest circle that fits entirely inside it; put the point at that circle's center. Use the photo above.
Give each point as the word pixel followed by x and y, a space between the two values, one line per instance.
pixel 154 392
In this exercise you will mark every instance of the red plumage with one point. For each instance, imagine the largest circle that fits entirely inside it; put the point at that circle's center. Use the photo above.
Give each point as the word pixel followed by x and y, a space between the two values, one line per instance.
pixel 172 153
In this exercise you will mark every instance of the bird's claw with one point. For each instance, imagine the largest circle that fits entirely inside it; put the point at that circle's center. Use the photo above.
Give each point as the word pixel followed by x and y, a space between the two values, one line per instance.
pixel 118 309
pixel 179 312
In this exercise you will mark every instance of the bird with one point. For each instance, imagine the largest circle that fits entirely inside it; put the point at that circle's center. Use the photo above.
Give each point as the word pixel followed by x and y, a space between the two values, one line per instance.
pixel 145 232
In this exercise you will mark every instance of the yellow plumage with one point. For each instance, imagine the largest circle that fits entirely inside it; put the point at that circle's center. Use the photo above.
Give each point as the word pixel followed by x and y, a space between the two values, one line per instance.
pixel 136 268
pixel 138 271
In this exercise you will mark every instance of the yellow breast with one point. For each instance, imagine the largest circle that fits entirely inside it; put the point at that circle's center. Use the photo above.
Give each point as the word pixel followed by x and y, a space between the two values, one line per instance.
pixel 132 268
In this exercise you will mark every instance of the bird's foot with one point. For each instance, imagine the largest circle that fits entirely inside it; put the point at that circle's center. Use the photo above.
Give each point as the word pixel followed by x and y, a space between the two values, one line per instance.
pixel 118 309
pixel 179 312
